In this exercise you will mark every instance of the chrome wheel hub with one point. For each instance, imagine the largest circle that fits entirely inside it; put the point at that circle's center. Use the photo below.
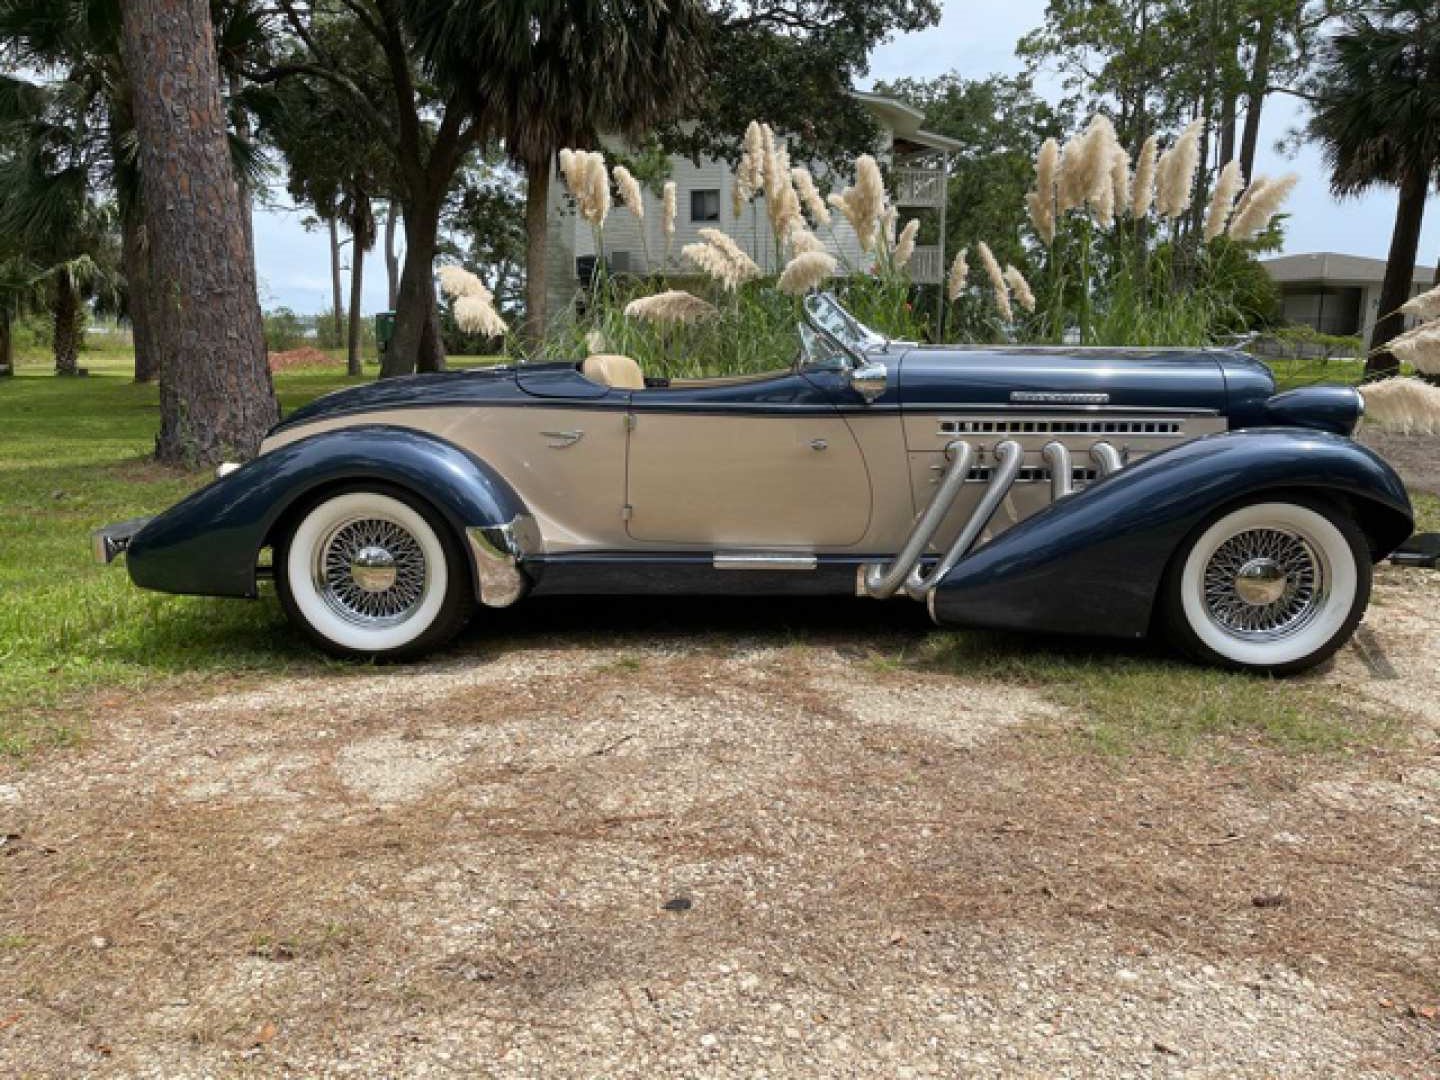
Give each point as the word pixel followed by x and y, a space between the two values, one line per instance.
pixel 371 571
pixel 1263 584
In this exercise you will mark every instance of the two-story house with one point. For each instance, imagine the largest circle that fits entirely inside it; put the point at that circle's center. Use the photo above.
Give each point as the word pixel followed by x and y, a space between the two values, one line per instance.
pixel 918 162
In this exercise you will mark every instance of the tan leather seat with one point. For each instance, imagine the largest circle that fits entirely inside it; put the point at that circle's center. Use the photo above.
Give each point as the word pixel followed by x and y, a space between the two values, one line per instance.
pixel 611 369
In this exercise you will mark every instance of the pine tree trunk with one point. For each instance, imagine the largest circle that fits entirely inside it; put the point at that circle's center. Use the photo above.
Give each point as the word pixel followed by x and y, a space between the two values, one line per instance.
pixel 7 342
pixel 353 361
pixel 135 260
pixel 1399 272
pixel 392 261
pixel 66 338
pixel 1255 93
pixel 337 303
pixel 1227 126
pixel 413 345
pixel 247 202
pixel 537 199
pixel 216 397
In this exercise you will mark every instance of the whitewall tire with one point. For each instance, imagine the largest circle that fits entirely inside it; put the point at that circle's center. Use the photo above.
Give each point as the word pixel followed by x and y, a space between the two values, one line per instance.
pixel 1274 585
pixel 373 572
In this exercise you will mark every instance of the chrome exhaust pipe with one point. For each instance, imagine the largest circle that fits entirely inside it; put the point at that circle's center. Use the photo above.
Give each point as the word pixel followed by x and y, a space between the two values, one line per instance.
pixel 1062 478
pixel 1009 455
pixel 1107 458
pixel 882 580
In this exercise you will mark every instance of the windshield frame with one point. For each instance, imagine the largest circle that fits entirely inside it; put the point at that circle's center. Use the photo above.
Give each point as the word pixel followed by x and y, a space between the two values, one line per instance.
pixel 824 313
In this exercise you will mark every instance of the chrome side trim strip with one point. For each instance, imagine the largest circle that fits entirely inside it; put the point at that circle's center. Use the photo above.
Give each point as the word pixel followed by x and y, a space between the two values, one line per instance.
pixel 1045 397
pixel 882 580
pixel 496 552
pixel 762 561
pixel 1009 454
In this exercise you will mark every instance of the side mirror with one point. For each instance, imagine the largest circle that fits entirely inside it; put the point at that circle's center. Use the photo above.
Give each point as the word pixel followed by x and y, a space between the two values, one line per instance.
pixel 869 380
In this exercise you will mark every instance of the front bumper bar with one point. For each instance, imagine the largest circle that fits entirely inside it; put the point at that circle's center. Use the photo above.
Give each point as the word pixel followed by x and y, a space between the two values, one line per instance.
pixel 111 541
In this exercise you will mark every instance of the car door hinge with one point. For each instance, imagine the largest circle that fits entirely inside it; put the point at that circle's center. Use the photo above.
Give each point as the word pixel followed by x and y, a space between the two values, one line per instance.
pixel 627 512
pixel 629 421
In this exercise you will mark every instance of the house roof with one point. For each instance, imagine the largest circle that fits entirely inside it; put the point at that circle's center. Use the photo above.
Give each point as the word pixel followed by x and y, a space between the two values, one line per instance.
pixel 905 120
pixel 1333 268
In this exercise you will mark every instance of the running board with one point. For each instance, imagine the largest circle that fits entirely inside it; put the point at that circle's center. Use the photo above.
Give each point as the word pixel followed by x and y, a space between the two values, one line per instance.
pixel 759 560
pixel 1421 550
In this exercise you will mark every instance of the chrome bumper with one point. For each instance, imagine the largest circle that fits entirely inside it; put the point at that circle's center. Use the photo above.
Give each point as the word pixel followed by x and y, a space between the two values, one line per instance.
pixel 112 540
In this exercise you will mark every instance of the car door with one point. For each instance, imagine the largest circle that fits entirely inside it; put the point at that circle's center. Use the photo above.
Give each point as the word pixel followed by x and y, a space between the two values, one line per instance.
pixel 753 463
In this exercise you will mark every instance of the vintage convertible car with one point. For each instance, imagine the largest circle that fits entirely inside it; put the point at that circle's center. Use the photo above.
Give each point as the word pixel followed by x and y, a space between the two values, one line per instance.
pixel 1088 490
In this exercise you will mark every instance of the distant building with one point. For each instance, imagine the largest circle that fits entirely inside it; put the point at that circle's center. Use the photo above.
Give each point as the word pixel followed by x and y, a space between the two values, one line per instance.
pixel 1334 293
pixel 919 167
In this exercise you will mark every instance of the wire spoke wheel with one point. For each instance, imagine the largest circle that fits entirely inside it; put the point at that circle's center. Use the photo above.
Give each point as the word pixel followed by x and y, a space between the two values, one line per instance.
pixel 371 571
pixel 1262 584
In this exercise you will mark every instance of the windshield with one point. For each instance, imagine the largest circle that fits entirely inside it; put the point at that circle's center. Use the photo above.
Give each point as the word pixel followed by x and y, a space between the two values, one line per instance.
pixel 825 313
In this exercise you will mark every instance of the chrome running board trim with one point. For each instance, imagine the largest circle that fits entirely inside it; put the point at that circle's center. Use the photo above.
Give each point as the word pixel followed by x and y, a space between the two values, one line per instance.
pixel 883 580
pixel 1009 456
pixel 762 561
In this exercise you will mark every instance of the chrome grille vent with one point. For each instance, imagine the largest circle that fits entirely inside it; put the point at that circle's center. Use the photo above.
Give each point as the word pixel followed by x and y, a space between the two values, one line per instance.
pixel 1061 427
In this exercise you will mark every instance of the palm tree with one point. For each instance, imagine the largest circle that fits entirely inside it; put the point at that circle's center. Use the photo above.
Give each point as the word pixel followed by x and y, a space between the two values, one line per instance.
pixel 1377 117
pixel 557 74
pixel 51 212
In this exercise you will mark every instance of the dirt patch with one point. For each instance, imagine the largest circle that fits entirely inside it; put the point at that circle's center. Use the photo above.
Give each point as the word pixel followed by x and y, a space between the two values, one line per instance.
pixel 703 854
pixel 306 357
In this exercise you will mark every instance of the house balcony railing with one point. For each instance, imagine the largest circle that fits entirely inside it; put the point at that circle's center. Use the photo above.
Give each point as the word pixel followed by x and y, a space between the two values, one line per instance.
pixel 919 187
pixel 925 268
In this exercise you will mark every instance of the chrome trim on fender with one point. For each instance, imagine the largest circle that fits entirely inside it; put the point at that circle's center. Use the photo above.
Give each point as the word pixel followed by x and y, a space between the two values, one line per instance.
pixel 1044 397
pixel 497 551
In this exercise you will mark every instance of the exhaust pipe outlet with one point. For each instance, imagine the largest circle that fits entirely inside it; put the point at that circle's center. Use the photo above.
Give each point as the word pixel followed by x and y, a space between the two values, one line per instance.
pixel 1009 456
pixel 882 580
pixel 1062 477
pixel 1107 458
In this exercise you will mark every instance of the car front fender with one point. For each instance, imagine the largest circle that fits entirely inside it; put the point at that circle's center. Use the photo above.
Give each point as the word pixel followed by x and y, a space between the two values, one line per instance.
pixel 209 543
pixel 1092 563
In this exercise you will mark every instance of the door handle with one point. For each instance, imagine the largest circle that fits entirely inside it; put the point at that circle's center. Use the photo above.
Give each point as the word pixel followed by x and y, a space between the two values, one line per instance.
pixel 559 440
pixel 819 444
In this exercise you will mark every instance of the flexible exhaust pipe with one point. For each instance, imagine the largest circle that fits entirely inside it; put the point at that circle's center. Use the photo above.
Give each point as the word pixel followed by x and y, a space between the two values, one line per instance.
pixel 1009 456
pixel 1062 478
pixel 1106 458
pixel 883 580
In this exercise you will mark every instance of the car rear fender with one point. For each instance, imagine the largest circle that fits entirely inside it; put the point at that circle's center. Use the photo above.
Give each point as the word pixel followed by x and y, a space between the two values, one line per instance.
pixel 1092 562
pixel 209 543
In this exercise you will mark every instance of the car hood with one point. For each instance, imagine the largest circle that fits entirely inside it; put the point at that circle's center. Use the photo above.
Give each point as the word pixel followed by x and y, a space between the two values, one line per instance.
pixel 943 376
pixel 408 391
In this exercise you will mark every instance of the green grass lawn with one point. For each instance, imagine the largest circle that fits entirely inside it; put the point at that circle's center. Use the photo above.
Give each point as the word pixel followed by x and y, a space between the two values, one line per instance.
pixel 75 453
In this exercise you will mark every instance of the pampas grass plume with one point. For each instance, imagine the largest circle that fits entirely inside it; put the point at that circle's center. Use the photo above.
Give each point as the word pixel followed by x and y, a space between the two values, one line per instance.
pixel 1142 186
pixel 997 281
pixel 675 306
pixel 630 191
pixel 1016 280
pixel 1223 199
pixel 905 246
pixel 1175 173
pixel 959 274
pixel 1425 306
pixel 1261 203
pixel 456 281
pixel 1410 406
pixel 1041 201
pixel 805 272
pixel 1420 348
pixel 671 201
pixel 475 314
pixel 810 195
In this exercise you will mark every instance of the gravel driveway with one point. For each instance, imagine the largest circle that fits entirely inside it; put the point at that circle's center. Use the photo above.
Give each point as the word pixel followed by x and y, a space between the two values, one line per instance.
pixel 591 846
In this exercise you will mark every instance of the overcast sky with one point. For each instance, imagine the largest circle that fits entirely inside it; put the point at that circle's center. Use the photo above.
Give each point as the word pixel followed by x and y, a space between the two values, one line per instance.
pixel 294 265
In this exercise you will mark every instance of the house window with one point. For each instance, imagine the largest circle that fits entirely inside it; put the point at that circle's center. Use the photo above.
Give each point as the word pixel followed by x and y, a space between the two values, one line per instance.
pixel 705 205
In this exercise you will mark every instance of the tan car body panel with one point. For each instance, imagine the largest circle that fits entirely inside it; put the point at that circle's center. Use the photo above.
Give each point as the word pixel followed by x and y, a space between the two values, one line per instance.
pixel 736 482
